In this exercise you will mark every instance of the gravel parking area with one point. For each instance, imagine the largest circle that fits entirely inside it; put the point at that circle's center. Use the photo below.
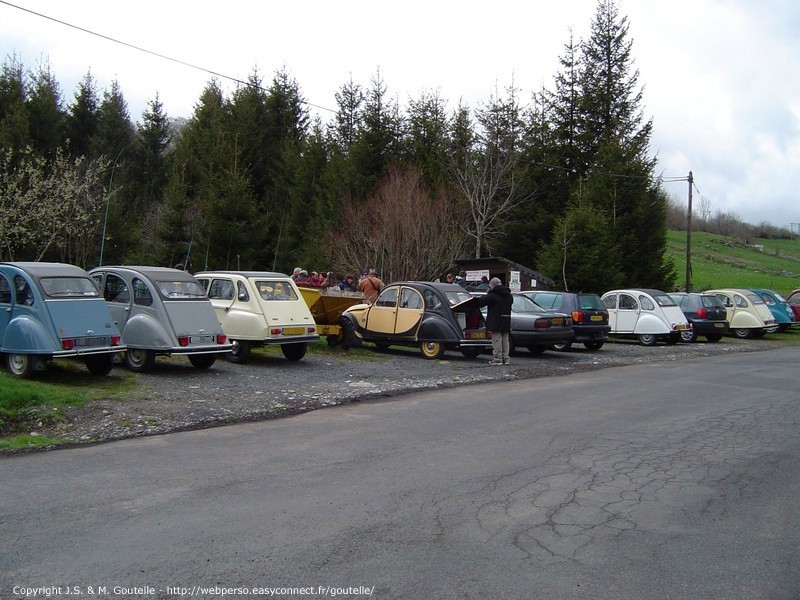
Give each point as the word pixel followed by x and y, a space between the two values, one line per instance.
pixel 176 397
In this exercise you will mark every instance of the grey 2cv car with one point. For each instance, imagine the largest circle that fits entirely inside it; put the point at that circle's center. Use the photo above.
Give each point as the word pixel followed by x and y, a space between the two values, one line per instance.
pixel 161 311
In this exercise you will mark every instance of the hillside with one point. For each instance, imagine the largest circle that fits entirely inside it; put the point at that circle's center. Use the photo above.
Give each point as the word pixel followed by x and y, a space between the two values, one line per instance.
pixel 720 261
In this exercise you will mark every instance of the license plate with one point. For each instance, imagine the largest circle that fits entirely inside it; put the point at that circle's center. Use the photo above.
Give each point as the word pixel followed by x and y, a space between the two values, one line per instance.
pixel 90 341
pixel 475 335
pixel 720 325
pixel 596 318
pixel 557 321
pixel 682 326
pixel 202 339
pixel 294 330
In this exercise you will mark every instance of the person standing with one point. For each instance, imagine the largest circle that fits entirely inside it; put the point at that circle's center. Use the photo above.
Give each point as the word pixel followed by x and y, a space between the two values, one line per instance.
pixel 498 301
pixel 370 286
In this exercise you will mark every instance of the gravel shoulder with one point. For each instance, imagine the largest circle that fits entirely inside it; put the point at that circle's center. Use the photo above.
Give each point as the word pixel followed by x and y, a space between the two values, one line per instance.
pixel 177 397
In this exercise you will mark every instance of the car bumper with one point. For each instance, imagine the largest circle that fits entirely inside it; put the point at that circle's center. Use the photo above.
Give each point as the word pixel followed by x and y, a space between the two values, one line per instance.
pixel 710 327
pixel 596 333
pixel 541 338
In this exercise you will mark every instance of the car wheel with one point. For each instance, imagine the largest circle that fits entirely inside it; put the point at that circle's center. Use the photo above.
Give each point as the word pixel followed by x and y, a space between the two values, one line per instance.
pixel 648 339
pixel 20 365
pixel 349 337
pixel 673 338
pixel 432 349
pixel 783 327
pixel 743 334
pixel 714 337
pixel 100 364
pixel 759 333
pixel 381 346
pixel 471 352
pixel 202 361
pixel 593 345
pixel 563 346
pixel 294 351
pixel 688 336
pixel 537 349
pixel 334 340
pixel 139 360
pixel 240 351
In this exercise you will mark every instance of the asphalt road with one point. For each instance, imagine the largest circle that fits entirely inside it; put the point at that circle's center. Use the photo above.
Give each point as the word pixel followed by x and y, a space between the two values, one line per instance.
pixel 671 480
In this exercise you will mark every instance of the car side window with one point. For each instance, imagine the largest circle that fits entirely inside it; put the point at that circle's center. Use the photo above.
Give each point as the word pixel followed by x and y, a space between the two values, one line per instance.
pixel 116 290
pixel 647 304
pixel 241 292
pixel 740 301
pixel 610 302
pixel 221 289
pixel 24 295
pixel 627 302
pixel 141 293
pixel 410 299
pixel 5 291
pixel 432 301
pixel 387 298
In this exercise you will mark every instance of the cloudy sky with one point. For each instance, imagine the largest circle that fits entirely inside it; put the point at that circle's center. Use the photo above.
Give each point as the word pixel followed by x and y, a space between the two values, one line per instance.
pixel 721 78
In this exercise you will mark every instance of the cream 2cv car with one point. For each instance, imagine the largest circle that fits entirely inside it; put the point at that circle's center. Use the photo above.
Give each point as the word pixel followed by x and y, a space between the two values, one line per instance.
pixel 647 315
pixel 748 314
pixel 259 308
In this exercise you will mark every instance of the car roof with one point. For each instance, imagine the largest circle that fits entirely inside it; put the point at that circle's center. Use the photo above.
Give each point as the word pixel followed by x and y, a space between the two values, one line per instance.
pixel 242 273
pixel 152 273
pixel 48 269
pixel 652 292
pixel 437 285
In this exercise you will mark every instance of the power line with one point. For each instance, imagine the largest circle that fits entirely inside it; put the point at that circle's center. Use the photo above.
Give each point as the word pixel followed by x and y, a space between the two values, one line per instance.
pixel 146 51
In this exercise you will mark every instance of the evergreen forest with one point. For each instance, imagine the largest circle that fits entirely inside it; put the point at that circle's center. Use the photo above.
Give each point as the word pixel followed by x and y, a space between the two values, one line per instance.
pixel 561 179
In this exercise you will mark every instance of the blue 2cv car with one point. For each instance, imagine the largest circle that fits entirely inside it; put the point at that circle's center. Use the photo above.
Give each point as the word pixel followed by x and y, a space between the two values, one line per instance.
pixel 53 310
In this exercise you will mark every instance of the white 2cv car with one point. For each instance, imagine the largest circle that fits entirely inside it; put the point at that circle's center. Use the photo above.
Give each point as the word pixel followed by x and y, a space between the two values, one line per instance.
pixel 161 311
pixel 647 315
pixel 259 308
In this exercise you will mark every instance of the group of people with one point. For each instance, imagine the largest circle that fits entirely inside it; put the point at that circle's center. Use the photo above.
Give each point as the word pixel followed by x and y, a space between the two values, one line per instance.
pixel 461 280
pixel 368 283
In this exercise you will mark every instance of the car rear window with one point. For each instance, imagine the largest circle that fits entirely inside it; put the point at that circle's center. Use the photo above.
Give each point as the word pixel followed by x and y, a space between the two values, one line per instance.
pixel 275 290
pixel 664 300
pixel 755 298
pixel 590 302
pixel 711 302
pixel 180 290
pixel 457 297
pixel 69 287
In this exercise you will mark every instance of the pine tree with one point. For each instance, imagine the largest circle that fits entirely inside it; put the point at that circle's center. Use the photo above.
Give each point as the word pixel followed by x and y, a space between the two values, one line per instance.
pixel 45 113
pixel 82 118
pixel 14 128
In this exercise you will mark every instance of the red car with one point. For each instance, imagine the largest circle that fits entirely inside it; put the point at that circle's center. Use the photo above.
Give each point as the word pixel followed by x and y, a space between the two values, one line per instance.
pixel 794 302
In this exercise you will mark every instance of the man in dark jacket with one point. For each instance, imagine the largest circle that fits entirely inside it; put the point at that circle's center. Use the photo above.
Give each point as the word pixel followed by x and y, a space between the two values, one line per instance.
pixel 498 301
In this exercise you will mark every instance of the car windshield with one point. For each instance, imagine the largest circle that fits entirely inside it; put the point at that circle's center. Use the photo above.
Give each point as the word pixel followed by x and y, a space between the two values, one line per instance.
pixel 590 302
pixel 523 304
pixel 664 300
pixel 457 297
pixel 69 287
pixel 275 290
pixel 180 289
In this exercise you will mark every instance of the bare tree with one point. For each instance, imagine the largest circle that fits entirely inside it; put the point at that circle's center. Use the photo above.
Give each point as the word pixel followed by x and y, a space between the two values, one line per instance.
pixel 405 230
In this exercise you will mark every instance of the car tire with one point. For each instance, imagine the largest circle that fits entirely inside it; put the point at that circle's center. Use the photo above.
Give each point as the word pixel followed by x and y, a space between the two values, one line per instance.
pixel 688 336
pixel 563 346
pixel 349 337
pixel 714 337
pixel 202 361
pixel 673 338
pixel 743 334
pixel 759 333
pixel 648 339
pixel 381 346
pixel 100 364
pixel 240 351
pixel 294 351
pixel 431 350
pixel 593 345
pixel 472 352
pixel 20 365
pixel 139 360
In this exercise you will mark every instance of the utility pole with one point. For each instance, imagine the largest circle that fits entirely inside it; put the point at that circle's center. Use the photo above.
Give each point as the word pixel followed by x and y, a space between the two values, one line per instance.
pixel 689 237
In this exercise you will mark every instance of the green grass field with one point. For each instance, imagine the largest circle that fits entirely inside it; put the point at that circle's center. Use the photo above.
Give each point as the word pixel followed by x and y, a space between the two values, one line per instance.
pixel 720 262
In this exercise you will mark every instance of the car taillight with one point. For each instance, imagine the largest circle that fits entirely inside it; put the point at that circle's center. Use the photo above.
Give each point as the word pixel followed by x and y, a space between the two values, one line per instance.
pixel 221 339
pixel 541 324
pixel 67 343
pixel 116 340
pixel 702 313
pixel 312 330
pixel 577 316
pixel 184 340
pixel 276 331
